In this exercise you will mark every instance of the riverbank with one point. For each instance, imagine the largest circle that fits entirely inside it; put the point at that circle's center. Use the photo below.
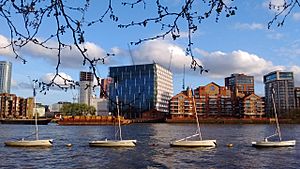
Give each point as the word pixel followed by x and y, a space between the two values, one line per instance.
pixel 219 120
pixel 111 120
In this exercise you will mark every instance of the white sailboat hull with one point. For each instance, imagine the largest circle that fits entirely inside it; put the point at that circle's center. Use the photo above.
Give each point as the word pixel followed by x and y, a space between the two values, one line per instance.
pixel 30 143
pixel 192 143
pixel 113 143
pixel 287 143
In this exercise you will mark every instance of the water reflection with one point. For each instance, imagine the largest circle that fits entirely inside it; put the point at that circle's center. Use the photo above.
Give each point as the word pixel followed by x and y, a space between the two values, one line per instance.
pixel 152 150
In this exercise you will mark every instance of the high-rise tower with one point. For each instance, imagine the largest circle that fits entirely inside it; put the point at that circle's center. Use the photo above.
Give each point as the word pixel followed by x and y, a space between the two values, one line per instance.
pixel 283 85
pixel 86 86
pixel 5 76
pixel 240 84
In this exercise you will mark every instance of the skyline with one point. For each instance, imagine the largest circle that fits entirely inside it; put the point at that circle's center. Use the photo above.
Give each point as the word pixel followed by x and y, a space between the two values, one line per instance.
pixel 238 44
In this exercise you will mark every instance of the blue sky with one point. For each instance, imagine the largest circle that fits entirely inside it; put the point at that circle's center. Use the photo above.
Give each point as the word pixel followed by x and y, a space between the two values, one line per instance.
pixel 238 44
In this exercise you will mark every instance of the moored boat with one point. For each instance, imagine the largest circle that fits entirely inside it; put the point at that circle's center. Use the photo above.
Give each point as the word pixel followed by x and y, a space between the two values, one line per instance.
pixel 43 121
pixel 113 143
pixel 194 143
pixel 118 142
pixel 185 142
pixel 267 143
pixel 276 143
pixel 34 142
pixel 30 143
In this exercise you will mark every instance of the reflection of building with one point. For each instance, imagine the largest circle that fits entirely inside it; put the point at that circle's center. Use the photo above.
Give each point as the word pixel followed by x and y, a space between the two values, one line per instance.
pixel 283 85
pixel 12 106
pixel 141 88
pixel 297 97
pixel 86 86
pixel 5 76
pixel 104 90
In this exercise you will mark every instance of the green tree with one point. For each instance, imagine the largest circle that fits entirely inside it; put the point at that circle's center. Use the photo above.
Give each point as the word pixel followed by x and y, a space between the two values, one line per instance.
pixel 77 109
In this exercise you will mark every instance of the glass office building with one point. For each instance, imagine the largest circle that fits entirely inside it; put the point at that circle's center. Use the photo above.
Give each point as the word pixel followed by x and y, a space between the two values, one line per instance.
pixel 5 76
pixel 283 85
pixel 140 88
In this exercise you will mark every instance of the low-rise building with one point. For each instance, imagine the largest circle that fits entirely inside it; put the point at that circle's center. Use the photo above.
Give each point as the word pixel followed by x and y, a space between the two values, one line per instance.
pixel 12 106
pixel 214 100
pixel 209 100
pixel 182 105
pixel 252 106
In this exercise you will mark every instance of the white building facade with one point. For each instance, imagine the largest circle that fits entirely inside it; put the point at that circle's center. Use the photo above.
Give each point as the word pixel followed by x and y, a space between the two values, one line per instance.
pixel 5 76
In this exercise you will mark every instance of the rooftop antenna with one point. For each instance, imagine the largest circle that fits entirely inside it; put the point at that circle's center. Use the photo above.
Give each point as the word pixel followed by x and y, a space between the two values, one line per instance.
pixel 130 53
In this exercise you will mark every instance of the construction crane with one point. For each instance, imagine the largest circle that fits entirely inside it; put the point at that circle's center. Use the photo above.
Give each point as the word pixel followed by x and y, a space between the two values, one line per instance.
pixel 130 53
pixel 171 55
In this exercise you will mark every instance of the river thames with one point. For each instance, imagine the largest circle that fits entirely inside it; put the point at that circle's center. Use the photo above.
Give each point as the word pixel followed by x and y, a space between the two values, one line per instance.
pixel 152 150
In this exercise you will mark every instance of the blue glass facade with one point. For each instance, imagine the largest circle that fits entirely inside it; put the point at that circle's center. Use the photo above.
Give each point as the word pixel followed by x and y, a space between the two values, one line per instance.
pixel 136 87
pixel 283 85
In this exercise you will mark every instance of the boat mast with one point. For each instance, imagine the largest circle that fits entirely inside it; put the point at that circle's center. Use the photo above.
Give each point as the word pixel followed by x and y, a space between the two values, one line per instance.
pixel 197 119
pixel 276 117
pixel 118 113
pixel 35 112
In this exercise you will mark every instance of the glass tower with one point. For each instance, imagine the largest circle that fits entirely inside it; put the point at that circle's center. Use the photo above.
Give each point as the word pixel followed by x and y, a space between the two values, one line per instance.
pixel 283 85
pixel 5 76
pixel 140 88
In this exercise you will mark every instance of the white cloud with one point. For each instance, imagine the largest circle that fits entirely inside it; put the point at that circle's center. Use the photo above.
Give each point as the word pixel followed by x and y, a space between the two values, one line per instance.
pixel 47 78
pixel 275 36
pixel 223 64
pixel 3 43
pixel 247 26
pixel 14 84
pixel 70 57
pixel 296 16
pixel 291 51
pixel 164 53
pixel 296 70
pixel 278 4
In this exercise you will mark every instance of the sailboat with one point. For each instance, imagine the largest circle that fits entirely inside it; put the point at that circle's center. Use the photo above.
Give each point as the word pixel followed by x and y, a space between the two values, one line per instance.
pixel 185 142
pixel 117 142
pixel 31 143
pixel 279 142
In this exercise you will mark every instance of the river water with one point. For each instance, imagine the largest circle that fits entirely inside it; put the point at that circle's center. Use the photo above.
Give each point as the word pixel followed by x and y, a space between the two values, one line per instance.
pixel 152 150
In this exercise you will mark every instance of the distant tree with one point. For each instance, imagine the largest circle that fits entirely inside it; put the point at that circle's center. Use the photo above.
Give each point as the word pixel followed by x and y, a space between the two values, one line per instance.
pixel 77 109
pixel 69 19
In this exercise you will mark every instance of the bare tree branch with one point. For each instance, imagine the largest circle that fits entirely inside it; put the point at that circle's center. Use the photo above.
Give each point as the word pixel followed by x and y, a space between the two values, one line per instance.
pixel 282 11
pixel 71 22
